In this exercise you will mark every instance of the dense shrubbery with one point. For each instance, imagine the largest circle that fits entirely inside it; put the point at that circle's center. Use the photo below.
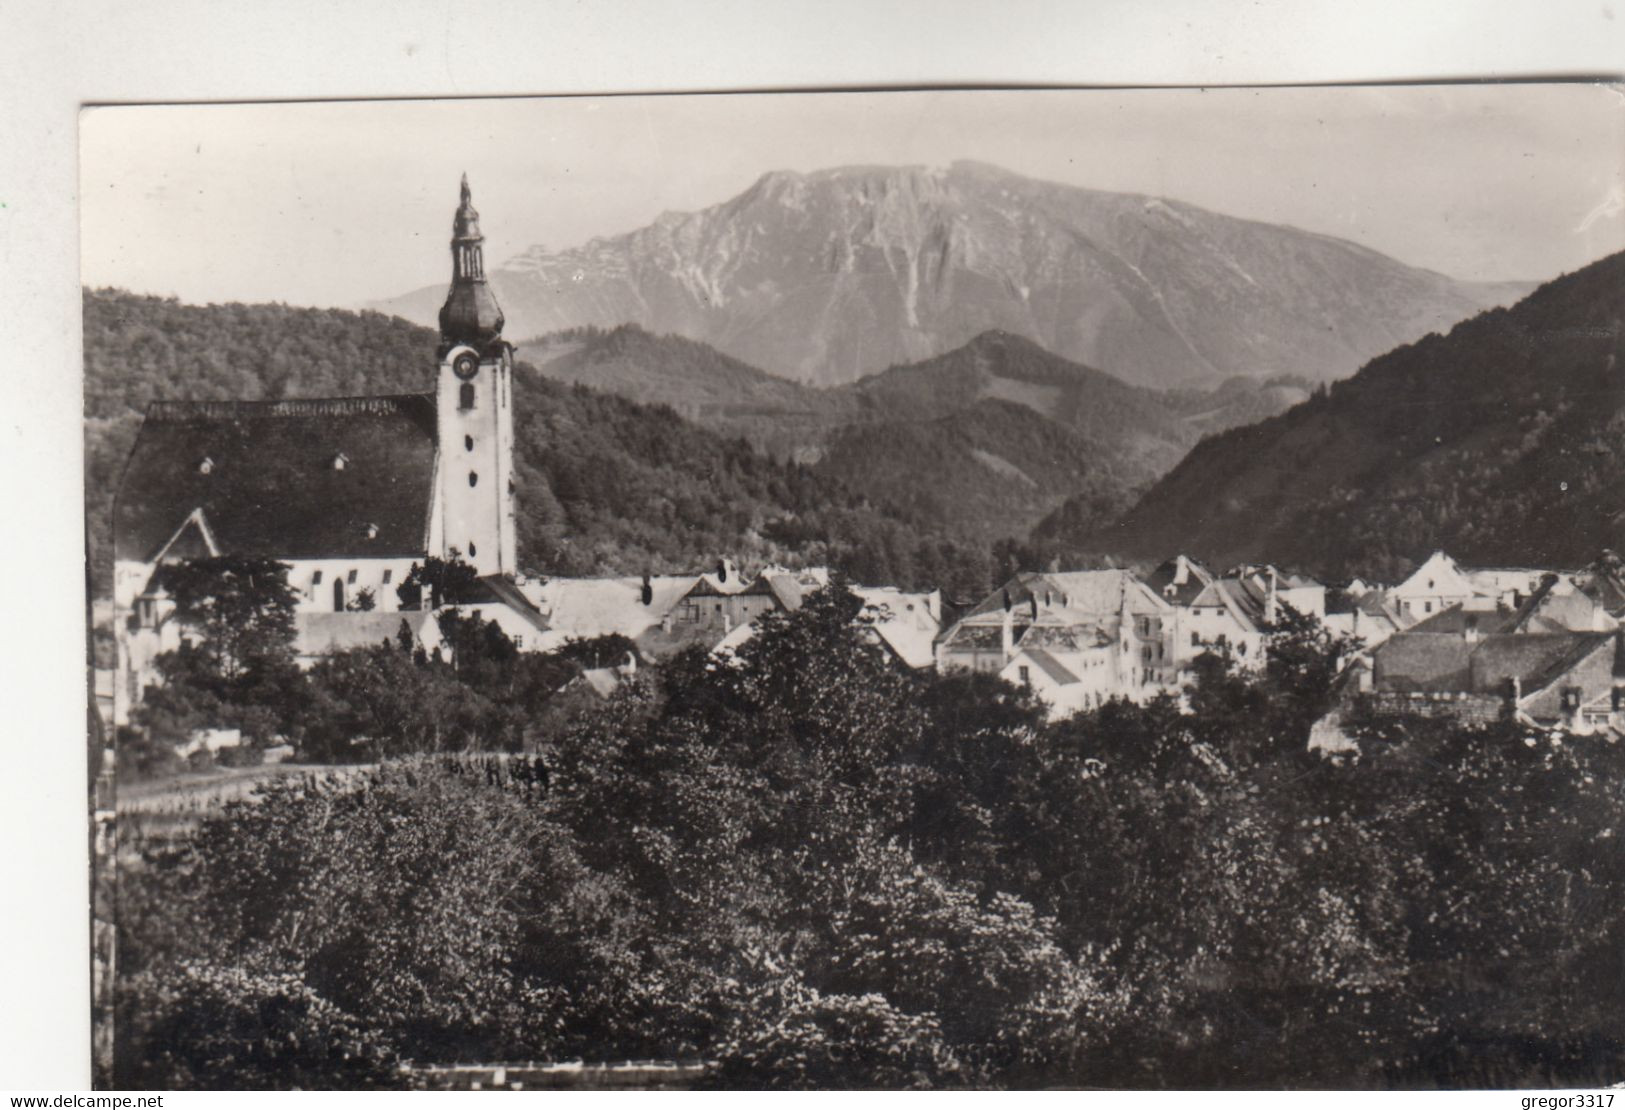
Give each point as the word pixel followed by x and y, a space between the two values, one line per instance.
pixel 818 871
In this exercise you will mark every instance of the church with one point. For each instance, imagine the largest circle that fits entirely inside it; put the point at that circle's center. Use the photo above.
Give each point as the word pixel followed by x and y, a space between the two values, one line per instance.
pixel 348 492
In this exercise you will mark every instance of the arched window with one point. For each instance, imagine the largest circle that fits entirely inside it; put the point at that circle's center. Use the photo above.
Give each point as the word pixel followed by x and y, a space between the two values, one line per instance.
pixel 338 594
pixel 473 479
pixel 465 395
pixel 468 441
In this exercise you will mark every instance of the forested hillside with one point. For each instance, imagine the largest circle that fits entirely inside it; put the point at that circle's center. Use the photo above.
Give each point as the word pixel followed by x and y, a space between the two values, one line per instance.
pixel 1502 442
pixel 605 485
pixel 982 441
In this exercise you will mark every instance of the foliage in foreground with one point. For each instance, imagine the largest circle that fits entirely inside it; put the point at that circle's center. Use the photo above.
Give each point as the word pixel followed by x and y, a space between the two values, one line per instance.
pixel 818 871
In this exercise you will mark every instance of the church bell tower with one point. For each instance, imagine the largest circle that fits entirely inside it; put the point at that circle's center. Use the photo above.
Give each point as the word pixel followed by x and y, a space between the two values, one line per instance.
pixel 474 406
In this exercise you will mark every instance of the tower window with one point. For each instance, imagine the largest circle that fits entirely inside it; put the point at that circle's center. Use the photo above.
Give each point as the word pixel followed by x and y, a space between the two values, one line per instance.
pixel 473 479
pixel 472 550
pixel 465 395
pixel 468 442
pixel 338 595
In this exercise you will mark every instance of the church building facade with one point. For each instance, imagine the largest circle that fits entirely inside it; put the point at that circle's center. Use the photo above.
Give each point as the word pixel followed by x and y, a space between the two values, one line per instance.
pixel 348 492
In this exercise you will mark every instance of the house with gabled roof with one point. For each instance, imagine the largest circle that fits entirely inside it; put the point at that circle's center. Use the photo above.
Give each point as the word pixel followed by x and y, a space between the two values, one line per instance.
pixel 1478 666
pixel 1367 615
pixel 1086 680
pixel 1180 580
pixel 1066 616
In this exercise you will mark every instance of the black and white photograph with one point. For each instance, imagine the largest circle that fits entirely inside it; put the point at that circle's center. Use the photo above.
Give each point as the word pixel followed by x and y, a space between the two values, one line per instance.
pixel 950 589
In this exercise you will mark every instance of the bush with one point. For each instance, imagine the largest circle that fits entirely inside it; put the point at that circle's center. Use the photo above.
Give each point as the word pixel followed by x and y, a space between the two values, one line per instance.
pixel 811 1042
pixel 204 1026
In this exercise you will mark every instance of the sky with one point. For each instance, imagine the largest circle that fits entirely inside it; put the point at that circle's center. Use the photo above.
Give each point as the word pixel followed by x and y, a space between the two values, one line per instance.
pixel 341 203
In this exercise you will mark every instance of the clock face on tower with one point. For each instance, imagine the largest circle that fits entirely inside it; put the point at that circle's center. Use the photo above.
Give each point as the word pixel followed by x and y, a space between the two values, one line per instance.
pixel 465 365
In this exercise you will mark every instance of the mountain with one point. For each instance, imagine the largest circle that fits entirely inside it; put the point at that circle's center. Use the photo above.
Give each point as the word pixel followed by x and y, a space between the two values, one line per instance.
pixel 604 484
pixel 984 440
pixel 696 381
pixel 1502 442
pixel 828 276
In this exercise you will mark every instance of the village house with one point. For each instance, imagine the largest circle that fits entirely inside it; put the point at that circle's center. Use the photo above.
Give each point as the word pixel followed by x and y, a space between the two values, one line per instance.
pixel 347 492
pixel 1067 618
pixel 1441 582
pixel 1557 660
pixel 903 626
pixel 1365 613
pixel 1230 615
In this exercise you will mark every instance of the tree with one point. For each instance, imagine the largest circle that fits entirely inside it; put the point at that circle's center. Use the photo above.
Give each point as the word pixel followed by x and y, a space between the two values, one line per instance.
pixel 240 606
pixel 448 582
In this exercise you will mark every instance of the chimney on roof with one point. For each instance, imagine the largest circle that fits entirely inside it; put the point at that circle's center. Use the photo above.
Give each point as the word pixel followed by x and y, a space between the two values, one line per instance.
pixel 1006 634
pixel 1469 630
pixel 1270 609
pixel 1514 690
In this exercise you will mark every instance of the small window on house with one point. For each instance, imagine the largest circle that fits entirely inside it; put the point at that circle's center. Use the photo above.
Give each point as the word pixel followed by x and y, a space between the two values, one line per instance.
pixel 1242 647
pixel 316 579
pixel 388 574
pixel 1427 606
pixel 468 442
pixel 473 479
pixel 1026 676
pixel 465 395
pixel 350 578
pixel 1196 639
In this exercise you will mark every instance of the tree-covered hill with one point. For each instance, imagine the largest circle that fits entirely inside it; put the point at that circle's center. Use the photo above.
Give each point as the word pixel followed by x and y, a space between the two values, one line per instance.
pixel 1502 442
pixel 606 485
pixel 982 441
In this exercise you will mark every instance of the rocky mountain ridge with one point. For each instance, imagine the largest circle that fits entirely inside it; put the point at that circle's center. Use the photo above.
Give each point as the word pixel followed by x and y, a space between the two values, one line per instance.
pixel 828 276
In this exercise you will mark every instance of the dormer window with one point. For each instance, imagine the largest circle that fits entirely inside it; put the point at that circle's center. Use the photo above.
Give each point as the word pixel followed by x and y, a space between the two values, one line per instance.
pixel 205 465
pixel 340 461
pixel 371 531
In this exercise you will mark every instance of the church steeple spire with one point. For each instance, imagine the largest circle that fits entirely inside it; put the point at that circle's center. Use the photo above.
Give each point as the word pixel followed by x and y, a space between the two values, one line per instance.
pixel 471 314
